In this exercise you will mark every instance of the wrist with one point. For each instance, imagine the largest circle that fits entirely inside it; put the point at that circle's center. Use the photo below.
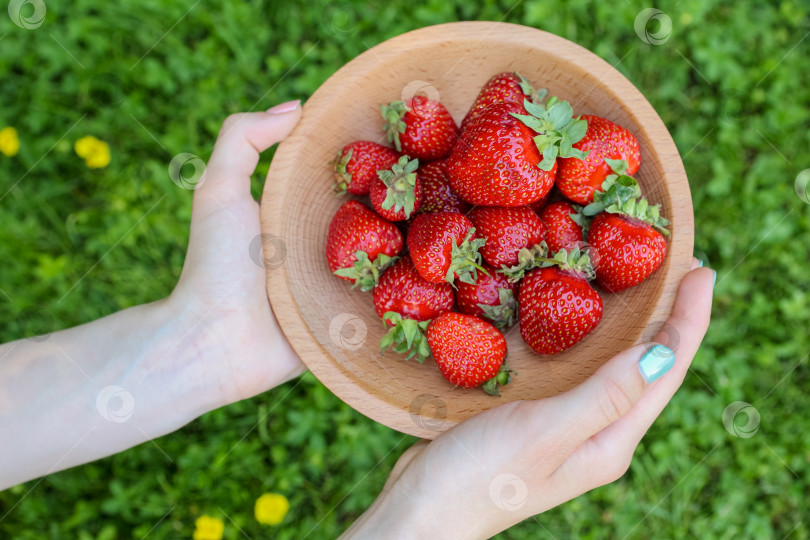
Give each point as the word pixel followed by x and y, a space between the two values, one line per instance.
pixel 414 507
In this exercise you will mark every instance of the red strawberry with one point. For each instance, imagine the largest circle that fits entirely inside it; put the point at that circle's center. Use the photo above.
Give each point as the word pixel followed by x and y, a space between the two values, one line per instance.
pixel 357 164
pixel 420 127
pixel 402 290
pixel 443 247
pixel 629 250
pixel 437 195
pixel 623 234
pixel 605 142
pixel 492 297
pixel 397 193
pixel 360 245
pixel 508 87
pixel 497 160
pixel 469 351
pixel 558 307
pixel 407 303
pixel 538 205
pixel 507 231
pixel 563 229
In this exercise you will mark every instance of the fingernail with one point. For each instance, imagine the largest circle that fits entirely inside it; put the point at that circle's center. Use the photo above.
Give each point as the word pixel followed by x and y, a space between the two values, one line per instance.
pixel 285 107
pixel 655 362
pixel 700 263
pixel 715 279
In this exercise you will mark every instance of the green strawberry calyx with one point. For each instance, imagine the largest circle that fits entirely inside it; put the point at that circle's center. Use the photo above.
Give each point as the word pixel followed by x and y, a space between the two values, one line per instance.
pixel 503 378
pixel 642 210
pixel 400 180
pixel 621 195
pixel 406 336
pixel 574 260
pixel 535 96
pixel 342 176
pixel 557 130
pixel 465 261
pixel 394 114
pixel 504 313
pixel 528 259
pixel 365 272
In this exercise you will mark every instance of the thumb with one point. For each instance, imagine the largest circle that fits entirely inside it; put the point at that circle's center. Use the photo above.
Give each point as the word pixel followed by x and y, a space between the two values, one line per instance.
pixel 236 153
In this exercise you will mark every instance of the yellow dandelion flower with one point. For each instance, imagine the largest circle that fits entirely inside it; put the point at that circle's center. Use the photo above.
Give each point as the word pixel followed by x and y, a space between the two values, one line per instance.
pixel 208 528
pixel 85 146
pixel 9 141
pixel 271 508
pixel 96 153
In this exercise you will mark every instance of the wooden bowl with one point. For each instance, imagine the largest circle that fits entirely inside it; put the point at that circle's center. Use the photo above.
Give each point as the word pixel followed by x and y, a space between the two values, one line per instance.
pixel 336 331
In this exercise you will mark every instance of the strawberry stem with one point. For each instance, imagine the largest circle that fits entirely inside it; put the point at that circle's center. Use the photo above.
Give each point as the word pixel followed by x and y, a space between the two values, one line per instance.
pixel 528 259
pixel 504 314
pixel 535 96
pixel 366 273
pixel 465 261
pixel 621 195
pixel 557 130
pixel 342 176
pixel 393 114
pixel 406 336
pixel 503 377
pixel 401 183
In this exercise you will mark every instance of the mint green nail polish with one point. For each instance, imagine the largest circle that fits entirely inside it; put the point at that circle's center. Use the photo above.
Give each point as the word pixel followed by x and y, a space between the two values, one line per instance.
pixel 715 279
pixel 700 263
pixel 655 362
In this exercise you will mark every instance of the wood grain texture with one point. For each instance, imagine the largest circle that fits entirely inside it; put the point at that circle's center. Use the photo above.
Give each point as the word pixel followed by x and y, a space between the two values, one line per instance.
pixel 336 331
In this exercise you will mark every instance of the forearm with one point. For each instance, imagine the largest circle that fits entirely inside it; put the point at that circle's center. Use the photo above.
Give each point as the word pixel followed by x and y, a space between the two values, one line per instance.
pixel 96 389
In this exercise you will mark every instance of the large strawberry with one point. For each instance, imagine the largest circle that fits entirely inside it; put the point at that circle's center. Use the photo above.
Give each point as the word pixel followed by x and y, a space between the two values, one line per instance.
pixel 507 87
pixel 397 192
pixel 507 156
pixel 563 222
pixel 407 302
pixel 609 146
pixel 360 245
pixel 420 127
pixel 492 297
pixel 558 307
pixel 357 164
pixel 507 231
pixel 469 351
pixel 443 247
pixel 627 234
pixel 437 195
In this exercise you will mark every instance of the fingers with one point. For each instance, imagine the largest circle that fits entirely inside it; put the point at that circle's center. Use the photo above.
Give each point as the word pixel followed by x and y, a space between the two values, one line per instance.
pixel 236 153
pixel 606 455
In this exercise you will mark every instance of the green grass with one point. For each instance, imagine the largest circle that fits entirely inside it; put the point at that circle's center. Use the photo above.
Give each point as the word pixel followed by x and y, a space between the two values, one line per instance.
pixel 156 78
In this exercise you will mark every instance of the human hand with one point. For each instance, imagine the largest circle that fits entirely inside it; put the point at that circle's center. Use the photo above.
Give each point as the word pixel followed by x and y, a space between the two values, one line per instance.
pixel 546 451
pixel 221 296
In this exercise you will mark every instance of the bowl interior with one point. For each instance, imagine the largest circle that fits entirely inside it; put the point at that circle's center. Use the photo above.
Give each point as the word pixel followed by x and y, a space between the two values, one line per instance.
pixel 336 331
